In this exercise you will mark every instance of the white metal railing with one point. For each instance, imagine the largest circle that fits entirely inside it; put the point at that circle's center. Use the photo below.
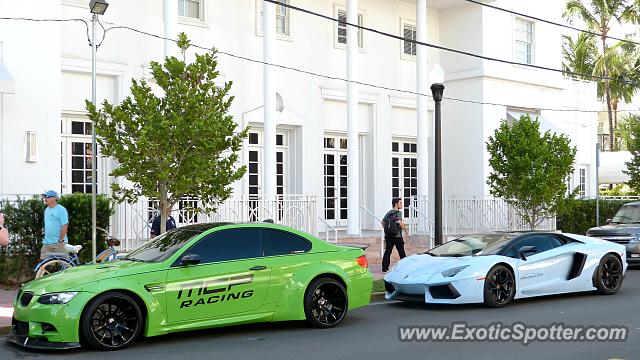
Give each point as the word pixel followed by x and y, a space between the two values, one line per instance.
pixel 421 225
pixel 382 244
pixel 624 197
pixel 131 223
pixel 471 215
pixel 326 232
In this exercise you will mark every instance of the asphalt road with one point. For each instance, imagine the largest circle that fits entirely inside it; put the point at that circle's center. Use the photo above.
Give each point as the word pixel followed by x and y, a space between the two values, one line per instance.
pixel 372 333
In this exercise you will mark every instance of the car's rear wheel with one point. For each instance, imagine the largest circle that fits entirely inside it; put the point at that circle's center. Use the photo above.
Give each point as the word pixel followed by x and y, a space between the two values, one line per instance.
pixel 325 303
pixel 499 286
pixel 111 321
pixel 609 275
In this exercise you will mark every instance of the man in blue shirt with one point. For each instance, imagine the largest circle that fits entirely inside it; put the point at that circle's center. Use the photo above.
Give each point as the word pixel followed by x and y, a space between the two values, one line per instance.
pixel 56 224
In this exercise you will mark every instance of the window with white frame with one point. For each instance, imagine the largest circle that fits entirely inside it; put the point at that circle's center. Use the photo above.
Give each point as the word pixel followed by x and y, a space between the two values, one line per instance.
pixel 404 171
pixel 283 18
pixel 76 155
pixel 409 34
pixel 335 179
pixel 582 181
pixel 341 28
pixel 190 9
pixel 523 41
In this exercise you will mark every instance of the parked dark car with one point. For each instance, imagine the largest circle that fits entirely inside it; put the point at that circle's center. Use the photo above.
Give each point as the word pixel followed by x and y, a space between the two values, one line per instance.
pixel 623 229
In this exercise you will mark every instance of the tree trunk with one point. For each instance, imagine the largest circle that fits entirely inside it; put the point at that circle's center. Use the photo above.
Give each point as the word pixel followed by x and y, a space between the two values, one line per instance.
pixel 607 92
pixel 614 105
pixel 164 210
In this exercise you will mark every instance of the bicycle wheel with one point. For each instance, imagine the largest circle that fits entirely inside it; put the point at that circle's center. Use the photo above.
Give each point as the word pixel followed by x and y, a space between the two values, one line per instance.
pixel 51 267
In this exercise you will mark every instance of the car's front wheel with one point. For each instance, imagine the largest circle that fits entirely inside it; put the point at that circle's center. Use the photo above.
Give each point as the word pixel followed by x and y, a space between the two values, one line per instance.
pixel 111 321
pixel 499 286
pixel 609 275
pixel 325 303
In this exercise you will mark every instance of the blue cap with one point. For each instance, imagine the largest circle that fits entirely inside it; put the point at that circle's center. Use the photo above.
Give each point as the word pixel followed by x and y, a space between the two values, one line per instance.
pixel 50 193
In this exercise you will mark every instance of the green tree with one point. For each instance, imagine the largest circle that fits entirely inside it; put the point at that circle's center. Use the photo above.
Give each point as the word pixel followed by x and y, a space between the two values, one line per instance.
pixel 529 169
pixel 599 16
pixel 579 55
pixel 629 129
pixel 181 142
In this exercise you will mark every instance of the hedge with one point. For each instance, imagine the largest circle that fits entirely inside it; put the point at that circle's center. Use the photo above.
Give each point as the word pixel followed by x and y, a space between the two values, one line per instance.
pixel 577 216
pixel 25 221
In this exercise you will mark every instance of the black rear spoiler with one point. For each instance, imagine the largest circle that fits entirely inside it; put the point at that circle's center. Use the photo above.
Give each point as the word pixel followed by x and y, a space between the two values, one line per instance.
pixel 355 245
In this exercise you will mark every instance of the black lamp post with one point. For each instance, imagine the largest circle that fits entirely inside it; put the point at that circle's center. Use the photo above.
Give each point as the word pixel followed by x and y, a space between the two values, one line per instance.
pixel 437 89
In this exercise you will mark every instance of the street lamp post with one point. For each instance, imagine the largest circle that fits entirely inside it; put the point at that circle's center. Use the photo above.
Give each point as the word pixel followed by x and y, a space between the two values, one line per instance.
pixel 97 7
pixel 437 89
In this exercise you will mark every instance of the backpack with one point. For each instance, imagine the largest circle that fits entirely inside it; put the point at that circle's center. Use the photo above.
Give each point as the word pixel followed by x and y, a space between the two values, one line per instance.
pixel 390 223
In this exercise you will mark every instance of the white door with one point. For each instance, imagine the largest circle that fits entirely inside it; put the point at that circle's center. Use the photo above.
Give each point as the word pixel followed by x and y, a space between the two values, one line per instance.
pixel 255 170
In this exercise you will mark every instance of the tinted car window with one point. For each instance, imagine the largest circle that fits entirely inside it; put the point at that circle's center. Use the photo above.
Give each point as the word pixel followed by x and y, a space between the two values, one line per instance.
pixel 276 242
pixel 162 247
pixel 229 244
pixel 542 242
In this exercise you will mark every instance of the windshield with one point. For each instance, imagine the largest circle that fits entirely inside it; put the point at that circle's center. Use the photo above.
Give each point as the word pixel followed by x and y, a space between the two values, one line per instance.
pixel 162 247
pixel 478 244
pixel 627 215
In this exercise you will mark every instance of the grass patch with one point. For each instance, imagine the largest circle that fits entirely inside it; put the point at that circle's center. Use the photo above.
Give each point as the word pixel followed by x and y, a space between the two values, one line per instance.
pixel 378 286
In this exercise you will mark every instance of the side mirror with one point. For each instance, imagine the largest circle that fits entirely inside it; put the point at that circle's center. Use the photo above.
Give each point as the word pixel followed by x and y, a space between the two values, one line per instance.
pixel 526 251
pixel 607 221
pixel 190 259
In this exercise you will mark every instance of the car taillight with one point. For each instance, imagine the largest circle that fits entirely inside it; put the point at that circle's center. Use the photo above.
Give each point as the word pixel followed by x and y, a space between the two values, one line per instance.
pixel 362 261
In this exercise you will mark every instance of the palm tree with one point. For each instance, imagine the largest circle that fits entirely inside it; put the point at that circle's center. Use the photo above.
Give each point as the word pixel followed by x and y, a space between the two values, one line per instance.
pixel 624 64
pixel 599 17
pixel 580 55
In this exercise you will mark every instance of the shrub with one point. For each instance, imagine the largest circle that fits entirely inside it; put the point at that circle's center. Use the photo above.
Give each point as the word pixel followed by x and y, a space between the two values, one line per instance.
pixel 25 221
pixel 577 215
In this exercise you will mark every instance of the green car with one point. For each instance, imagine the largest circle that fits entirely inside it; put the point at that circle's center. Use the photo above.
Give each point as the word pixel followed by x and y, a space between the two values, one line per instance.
pixel 194 277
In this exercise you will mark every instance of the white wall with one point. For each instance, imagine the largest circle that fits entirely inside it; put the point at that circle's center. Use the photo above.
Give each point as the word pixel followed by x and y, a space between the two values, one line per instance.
pixel 53 78
pixel 33 59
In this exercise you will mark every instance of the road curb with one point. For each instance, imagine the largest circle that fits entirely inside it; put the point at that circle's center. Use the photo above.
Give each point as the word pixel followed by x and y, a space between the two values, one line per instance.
pixel 5 329
pixel 377 296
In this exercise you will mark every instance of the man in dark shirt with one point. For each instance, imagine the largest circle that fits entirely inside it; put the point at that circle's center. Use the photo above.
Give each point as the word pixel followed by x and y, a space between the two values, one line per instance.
pixel 155 226
pixel 395 239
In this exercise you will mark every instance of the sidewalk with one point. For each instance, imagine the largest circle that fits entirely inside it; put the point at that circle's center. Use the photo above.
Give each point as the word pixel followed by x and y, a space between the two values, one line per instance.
pixel 6 309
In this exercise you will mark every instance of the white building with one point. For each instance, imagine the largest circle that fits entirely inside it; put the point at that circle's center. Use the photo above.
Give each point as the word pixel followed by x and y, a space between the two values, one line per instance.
pixel 44 129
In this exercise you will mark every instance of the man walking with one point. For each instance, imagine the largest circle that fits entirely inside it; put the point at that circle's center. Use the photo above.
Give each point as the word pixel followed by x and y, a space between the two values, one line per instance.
pixel 393 227
pixel 56 224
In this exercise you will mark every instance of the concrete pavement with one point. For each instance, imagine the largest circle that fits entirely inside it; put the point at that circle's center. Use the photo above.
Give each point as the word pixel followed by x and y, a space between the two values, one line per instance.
pixel 6 308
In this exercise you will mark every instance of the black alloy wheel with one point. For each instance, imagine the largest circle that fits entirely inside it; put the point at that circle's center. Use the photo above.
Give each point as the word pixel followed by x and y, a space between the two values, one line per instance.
pixel 499 286
pixel 325 303
pixel 609 275
pixel 111 321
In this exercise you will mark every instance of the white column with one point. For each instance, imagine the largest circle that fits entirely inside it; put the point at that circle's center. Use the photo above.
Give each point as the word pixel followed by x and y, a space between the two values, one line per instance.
pixel 423 88
pixel 353 158
pixel 170 16
pixel 268 42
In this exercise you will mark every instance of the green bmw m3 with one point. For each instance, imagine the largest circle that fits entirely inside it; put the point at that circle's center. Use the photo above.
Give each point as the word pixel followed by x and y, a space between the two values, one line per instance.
pixel 194 277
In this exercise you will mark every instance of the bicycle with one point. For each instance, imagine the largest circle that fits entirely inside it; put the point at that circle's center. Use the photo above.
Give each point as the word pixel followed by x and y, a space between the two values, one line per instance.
pixel 58 262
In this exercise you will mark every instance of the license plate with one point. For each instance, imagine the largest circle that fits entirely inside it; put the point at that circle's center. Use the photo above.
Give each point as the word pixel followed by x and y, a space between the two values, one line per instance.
pixel 635 255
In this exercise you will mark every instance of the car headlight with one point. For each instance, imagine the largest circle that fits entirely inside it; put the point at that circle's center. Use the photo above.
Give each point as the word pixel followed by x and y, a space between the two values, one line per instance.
pixel 453 271
pixel 635 240
pixel 57 298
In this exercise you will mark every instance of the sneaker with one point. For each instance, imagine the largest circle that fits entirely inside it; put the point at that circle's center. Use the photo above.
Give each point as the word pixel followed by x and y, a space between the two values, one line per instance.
pixel 385 271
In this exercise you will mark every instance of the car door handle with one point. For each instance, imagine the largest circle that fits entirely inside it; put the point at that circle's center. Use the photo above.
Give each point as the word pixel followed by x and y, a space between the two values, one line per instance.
pixel 257 268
